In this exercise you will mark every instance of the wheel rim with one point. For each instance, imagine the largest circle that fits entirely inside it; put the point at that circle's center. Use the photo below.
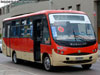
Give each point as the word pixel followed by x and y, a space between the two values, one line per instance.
pixel 47 63
pixel 14 58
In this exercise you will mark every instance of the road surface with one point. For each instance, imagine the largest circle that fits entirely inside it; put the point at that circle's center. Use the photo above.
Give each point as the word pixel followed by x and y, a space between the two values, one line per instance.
pixel 7 67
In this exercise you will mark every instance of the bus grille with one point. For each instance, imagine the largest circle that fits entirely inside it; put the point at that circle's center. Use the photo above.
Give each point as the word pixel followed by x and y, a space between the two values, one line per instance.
pixel 79 54
pixel 77 62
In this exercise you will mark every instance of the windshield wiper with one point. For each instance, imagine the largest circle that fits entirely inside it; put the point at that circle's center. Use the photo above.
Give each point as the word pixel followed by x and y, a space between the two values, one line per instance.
pixel 81 38
pixel 78 36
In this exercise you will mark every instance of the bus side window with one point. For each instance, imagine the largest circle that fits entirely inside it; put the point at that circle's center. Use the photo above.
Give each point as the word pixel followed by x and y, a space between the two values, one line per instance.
pixel 26 27
pixel 13 29
pixel 17 28
pixel 7 29
pixel 45 36
pixel 4 29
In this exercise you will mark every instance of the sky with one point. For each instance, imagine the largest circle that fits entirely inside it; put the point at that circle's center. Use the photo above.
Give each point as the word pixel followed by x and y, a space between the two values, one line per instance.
pixel 2 4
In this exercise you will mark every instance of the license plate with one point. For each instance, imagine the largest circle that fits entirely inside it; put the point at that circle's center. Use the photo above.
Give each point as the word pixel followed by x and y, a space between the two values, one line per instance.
pixel 79 58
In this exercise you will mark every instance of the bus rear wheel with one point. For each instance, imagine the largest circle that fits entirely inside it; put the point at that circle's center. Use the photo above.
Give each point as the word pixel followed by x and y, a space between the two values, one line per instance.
pixel 14 58
pixel 86 66
pixel 47 63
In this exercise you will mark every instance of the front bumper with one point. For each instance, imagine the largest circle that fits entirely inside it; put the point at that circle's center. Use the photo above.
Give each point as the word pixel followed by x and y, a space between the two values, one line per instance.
pixel 61 60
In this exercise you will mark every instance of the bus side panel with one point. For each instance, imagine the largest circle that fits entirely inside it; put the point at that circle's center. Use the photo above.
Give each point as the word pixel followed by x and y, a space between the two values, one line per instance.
pixel 8 47
pixel 22 46
pixel 4 46
pixel 46 49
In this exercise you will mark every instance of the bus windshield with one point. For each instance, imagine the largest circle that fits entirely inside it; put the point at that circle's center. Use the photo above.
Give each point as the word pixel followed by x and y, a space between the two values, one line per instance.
pixel 71 27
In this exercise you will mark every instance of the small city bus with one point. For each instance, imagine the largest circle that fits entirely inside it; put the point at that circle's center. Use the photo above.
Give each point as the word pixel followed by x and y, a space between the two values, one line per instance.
pixel 51 37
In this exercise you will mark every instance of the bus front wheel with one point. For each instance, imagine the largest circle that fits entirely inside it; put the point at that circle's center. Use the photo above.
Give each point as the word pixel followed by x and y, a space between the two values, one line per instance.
pixel 47 63
pixel 86 66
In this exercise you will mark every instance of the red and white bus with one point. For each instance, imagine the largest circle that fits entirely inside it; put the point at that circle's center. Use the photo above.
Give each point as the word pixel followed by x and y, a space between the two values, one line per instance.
pixel 51 37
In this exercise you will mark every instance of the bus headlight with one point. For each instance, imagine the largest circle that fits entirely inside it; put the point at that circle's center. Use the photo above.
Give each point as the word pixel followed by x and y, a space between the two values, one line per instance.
pixel 58 51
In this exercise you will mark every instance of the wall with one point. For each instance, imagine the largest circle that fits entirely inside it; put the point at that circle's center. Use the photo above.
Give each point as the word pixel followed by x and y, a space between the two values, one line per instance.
pixel 1 20
pixel 98 21
pixel 98 8
pixel 86 6
pixel 31 7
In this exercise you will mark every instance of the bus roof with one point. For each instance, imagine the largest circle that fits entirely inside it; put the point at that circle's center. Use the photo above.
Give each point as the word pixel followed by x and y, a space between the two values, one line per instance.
pixel 45 12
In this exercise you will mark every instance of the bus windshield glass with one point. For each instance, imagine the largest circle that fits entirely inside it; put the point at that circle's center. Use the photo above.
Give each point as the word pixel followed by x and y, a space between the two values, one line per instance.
pixel 71 27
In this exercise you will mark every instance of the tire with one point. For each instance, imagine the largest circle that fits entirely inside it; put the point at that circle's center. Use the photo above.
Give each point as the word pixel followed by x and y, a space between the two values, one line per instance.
pixel 14 59
pixel 0 50
pixel 47 64
pixel 87 66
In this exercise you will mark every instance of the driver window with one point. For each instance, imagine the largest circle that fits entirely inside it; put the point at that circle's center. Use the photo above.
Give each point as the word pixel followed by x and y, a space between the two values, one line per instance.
pixel 46 36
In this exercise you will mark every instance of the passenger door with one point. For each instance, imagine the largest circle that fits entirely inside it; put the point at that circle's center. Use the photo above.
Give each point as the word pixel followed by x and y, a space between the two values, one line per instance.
pixel 42 42
pixel 8 50
pixel 37 39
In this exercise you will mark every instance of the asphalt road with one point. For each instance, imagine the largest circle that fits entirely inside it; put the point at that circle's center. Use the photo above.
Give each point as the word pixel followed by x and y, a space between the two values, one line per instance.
pixel 7 67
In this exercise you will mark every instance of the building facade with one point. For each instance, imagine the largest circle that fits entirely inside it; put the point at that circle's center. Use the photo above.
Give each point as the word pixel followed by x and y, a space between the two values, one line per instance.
pixel 91 7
